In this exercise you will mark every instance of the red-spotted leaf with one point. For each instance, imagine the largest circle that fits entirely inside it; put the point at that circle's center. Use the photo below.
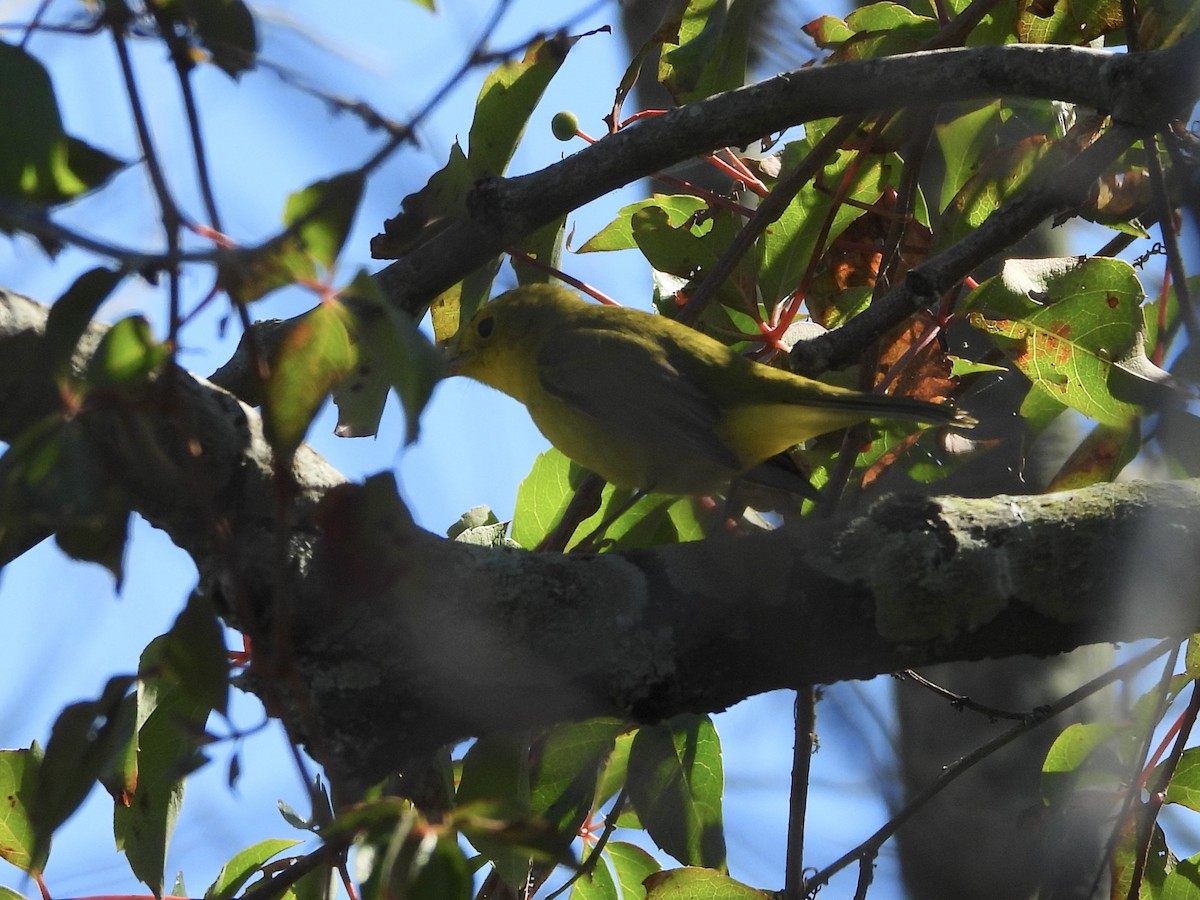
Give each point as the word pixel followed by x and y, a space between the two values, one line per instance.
pixel 1069 325
pixel 19 770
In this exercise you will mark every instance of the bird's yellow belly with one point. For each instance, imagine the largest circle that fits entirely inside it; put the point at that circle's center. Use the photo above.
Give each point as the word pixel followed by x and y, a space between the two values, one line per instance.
pixel 630 461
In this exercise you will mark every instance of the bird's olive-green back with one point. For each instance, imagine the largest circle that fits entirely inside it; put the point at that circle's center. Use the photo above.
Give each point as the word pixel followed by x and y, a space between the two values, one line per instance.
pixel 645 401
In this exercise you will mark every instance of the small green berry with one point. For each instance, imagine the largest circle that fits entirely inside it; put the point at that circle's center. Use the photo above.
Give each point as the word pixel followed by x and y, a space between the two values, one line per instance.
pixel 564 125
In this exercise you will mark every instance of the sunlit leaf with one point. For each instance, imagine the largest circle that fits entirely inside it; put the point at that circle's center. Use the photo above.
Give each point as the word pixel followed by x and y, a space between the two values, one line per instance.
pixel 997 178
pixel 19 770
pixel 632 866
pixel 128 355
pixel 245 865
pixel 1069 23
pixel 323 212
pixel 318 218
pixel 507 98
pixel 878 29
pixel 598 884
pixel 711 51
pixel 690 883
pixel 963 141
pixel 545 493
pixel 1067 324
pixel 564 778
pixel 316 355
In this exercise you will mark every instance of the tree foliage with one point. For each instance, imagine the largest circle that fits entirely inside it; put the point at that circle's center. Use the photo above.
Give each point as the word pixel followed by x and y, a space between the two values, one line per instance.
pixel 868 202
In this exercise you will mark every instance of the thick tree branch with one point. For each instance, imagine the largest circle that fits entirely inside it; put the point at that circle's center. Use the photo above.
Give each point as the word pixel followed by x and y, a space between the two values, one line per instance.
pixel 401 641
pixel 1145 91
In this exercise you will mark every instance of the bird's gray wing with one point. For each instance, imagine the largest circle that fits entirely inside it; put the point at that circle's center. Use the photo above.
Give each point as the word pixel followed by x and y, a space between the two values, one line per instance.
pixel 627 382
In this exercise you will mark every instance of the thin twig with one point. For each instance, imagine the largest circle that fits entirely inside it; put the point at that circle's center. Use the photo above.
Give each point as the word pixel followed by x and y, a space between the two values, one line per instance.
pixel 1166 224
pixel 961 701
pixel 802 752
pixel 1154 804
pixel 772 207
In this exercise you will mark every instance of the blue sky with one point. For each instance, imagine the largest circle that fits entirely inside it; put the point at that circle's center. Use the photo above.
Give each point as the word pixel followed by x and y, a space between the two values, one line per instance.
pixel 66 629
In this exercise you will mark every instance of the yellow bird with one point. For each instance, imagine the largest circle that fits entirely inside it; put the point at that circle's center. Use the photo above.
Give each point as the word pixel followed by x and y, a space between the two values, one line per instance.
pixel 649 403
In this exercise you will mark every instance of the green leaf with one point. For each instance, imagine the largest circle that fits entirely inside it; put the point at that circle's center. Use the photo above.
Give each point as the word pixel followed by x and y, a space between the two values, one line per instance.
pixel 51 481
pixel 711 51
pixel 19 770
pixel 127 356
pixel 194 655
pixel 227 30
pixel 563 782
pixel 1072 748
pixel 880 29
pixel 391 352
pixel 597 884
pixel 1068 325
pixel 323 213
pixel 998 178
pixel 318 219
pixel 963 141
pixel 545 245
pixel 38 161
pixel 1156 861
pixel 425 212
pixel 1164 882
pixel 170 729
pixel 675 783
pixel 7 893
pixel 71 314
pixel 308 363
pixel 679 235
pixel 495 780
pixel 632 866
pixel 1100 457
pixel 613 778
pixel 495 772
pixel 1184 787
pixel 86 740
pixel 691 883
pixel 508 96
pixel 415 862
pixel 1069 23
pixel 244 866
pixel 545 493
pixel 676 212
pixel 790 243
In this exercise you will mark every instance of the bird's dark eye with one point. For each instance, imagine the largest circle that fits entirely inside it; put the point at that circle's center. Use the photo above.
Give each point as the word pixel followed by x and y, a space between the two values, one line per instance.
pixel 485 326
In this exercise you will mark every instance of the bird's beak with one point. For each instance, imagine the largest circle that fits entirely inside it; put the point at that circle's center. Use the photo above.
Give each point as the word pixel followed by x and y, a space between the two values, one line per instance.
pixel 455 356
